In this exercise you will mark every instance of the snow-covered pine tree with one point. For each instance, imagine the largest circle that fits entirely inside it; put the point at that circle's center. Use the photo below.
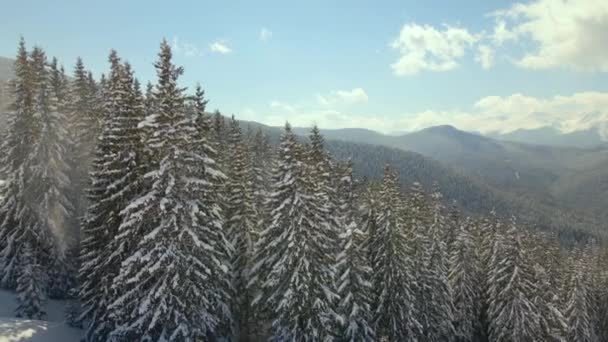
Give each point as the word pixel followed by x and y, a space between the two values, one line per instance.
pixel 594 266
pixel 213 196
pixel 553 324
pixel 84 128
pixel 34 206
pixel 114 183
pixel 578 308
pixel 488 232
pixel 261 161
pixel 73 310
pixel 31 297
pixel 57 206
pixel 512 313
pixel 434 290
pixel 16 147
pixel 85 120
pixel 395 314
pixel 176 276
pixel 219 130
pixel 354 271
pixel 320 184
pixel 464 276
pixel 369 219
pixel 292 262
pixel 240 225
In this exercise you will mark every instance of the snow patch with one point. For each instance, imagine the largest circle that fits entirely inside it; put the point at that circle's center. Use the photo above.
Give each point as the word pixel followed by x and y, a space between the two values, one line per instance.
pixel 54 329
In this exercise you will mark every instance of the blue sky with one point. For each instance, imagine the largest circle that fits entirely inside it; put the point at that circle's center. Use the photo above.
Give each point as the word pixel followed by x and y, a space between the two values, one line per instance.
pixel 389 66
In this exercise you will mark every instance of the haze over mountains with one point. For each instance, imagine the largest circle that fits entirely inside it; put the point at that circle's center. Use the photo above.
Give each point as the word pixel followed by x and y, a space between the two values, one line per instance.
pixel 545 176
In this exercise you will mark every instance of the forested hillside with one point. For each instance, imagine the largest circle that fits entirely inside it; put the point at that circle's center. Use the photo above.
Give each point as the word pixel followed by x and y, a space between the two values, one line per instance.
pixel 159 221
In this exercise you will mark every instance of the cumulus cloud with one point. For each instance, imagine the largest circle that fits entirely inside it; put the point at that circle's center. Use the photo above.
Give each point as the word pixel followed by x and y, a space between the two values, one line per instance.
pixel 185 48
pixel 265 34
pixel 356 95
pixel 220 47
pixel 503 114
pixel 569 34
pixel 567 113
pixel 551 33
pixel 426 48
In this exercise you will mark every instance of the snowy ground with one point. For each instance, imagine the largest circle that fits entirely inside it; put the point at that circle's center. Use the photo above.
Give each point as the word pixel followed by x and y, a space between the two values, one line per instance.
pixel 53 329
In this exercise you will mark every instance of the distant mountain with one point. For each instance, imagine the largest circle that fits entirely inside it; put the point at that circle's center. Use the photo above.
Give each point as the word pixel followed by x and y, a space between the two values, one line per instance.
pixel 477 172
pixel 504 164
pixel 6 68
pixel 6 73
pixel 553 137
pixel 362 135
pixel 545 178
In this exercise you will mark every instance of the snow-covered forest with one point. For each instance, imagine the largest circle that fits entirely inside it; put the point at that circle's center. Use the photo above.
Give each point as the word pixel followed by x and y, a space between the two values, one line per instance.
pixel 158 221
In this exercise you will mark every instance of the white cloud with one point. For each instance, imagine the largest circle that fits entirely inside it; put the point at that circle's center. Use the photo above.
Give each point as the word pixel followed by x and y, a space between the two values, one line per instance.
pixel 567 113
pixel 501 33
pixel 265 34
pixel 248 113
pixel 185 48
pixel 356 95
pixel 485 56
pixel 282 106
pixel 571 113
pixel 425 48
pixel 569 34
pixel 220 47
pixel 326 118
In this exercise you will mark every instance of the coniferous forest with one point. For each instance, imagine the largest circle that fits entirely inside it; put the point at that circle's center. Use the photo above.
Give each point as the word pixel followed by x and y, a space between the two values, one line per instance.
pixel 159 221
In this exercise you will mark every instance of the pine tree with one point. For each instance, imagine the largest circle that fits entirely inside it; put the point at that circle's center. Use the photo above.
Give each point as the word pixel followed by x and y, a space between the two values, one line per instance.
pixel 369 217
pixel 434 292
pixel 553 323
pixel 73 310
pixel 487 235
pixel 115 174
pixel 58 209
pixel 261 164
pixel 31 296
pixel 240 224
pixel 578 310
pixel 84 129
pixel 464 279
pixel 513 315
pixel 16 147
pixel 34 208
pixel 174 282
pixel 395 314
pixel 354 286
pixel 293 255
